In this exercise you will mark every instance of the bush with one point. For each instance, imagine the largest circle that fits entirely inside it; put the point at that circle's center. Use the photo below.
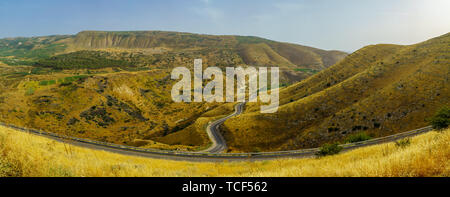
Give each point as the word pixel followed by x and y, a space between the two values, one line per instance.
pixel 441 119
pixel 86 59
pixel 43 83
pixel 403 142
pixel 358 137
pixel 35 71
pixel 329 149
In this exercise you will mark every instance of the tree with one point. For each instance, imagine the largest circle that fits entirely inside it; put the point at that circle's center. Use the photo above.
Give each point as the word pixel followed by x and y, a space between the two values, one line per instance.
pixel 441 119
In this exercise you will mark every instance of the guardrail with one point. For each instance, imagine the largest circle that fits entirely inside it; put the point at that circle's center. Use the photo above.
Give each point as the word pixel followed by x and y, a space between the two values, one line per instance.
pixel 301 152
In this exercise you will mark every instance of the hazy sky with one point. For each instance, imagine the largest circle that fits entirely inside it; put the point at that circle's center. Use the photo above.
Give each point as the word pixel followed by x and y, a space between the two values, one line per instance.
pixel 328 24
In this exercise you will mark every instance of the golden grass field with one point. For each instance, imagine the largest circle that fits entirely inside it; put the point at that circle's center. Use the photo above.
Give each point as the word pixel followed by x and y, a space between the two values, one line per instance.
pixel 27 155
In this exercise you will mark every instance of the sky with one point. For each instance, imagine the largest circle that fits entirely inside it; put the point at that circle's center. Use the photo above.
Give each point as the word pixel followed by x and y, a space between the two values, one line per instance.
pixel 345 25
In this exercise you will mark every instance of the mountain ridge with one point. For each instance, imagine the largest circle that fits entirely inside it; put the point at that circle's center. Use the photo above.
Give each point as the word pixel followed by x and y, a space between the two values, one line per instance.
pixel 183 40
pixel 165 50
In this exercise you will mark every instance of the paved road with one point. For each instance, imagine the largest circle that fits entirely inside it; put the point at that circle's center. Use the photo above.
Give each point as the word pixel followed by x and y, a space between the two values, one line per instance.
pixel 218 142
pixel 206 156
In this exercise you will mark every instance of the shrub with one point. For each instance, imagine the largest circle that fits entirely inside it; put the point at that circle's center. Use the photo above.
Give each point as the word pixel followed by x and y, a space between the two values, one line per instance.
pixel 256 150
pixel 358 137
pixel 441 119
pixel 329 149
pixel 36 71
pixel 403 143
pixel 43 83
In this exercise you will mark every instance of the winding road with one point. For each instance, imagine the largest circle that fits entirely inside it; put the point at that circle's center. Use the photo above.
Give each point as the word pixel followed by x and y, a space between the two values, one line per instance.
pixel 218 142
pixel 215 151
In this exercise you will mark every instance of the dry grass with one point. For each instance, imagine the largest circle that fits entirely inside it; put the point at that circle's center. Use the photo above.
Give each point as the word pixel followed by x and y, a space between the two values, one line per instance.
pixel 27 155
pixel 143 111
pixel 379 89
pixel 131 107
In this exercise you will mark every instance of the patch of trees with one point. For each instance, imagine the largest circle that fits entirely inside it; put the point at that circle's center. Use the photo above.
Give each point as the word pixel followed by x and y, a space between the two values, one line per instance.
pixel 441 119
pixel 86 59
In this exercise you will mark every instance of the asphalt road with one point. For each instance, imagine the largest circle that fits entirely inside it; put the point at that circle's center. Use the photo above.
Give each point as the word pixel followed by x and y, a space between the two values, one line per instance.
pixel 218 142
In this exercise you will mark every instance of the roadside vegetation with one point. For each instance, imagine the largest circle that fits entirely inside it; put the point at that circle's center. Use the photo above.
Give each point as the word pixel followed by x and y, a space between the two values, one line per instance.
pixel 329 149
pixel 441 119
pixel 23 154
pixel 358 137
pixel 403 143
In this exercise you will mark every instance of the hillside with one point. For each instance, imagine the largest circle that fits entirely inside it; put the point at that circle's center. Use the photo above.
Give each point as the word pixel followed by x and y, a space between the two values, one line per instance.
pixel 115 86
pixel 163 50
pixel 25 51
pixel 245 49
pixel 378 90
pixel 28 155
pixel 133 108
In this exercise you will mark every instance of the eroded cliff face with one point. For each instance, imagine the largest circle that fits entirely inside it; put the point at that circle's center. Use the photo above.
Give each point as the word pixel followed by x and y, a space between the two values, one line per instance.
pixel 252 50
pixel 149 39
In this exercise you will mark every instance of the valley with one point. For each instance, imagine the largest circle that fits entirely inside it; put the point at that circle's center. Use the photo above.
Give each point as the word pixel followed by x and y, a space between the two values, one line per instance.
pixel 115 87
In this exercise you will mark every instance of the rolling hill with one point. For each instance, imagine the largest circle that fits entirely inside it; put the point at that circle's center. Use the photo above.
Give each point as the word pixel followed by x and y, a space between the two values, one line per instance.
pixel 115 86
pixel 377 90
pixel 245 49
pixel 162 50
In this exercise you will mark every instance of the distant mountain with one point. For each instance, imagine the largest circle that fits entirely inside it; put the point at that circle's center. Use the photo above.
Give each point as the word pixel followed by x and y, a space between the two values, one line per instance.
pixel 25 51
pixel 159 49
pixel 246 49
pixel 378 90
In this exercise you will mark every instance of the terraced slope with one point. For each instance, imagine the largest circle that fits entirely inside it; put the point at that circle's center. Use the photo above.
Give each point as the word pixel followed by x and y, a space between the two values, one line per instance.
pixel 379 90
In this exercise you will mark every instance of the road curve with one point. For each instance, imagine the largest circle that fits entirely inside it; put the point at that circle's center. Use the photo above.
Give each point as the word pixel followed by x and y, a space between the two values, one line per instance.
pixel 204 156
pixel 218 142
